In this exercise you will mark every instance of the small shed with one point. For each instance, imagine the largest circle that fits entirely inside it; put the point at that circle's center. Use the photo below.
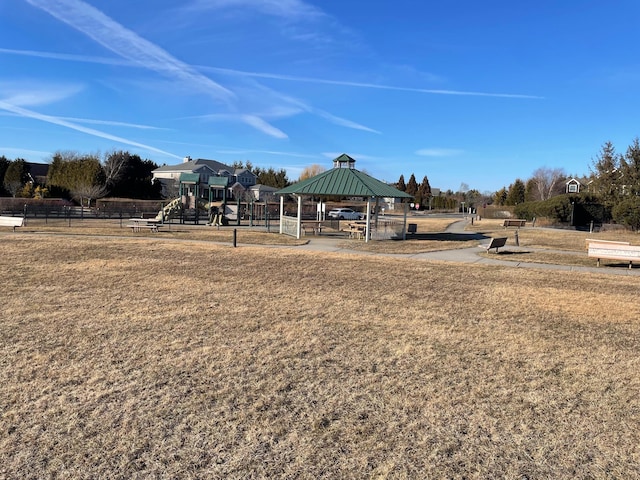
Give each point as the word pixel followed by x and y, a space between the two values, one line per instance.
pixel 343 180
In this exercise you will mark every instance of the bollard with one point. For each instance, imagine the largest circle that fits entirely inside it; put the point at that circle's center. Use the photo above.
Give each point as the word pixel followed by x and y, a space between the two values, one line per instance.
pixel 517 239
pixel 235 237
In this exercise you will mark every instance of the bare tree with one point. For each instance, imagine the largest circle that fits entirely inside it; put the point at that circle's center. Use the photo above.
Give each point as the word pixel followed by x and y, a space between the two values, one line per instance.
pixel 88 191
pixel 115 166
pixel 547 182
pixel 311 171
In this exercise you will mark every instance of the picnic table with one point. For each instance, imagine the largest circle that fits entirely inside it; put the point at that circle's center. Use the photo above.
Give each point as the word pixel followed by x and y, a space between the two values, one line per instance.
pixel 313 225
pixel 357 229
pixel 139 224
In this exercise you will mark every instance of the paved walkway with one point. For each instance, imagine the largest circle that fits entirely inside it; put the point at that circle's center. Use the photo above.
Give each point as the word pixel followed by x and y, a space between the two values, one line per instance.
pixel 464 255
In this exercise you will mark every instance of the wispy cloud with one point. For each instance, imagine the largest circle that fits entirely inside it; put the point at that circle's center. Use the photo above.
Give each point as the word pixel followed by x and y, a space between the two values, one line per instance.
pixel 299 106
pixel 278 76
pixel 295 9
pixel 342 121
pixel 112 123
pixel 439 152
pixel 30 94
pixel 130 46
pixel 23 152
pixel 238 151
pixel 69 57
pixel 23 112
pixel 248 119
pixel 346 83
pixel 259 124
pixel 127 44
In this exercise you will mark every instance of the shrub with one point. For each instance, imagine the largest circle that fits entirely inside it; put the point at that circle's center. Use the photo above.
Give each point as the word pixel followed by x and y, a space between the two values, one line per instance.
pixel 627 212
pixel 578 209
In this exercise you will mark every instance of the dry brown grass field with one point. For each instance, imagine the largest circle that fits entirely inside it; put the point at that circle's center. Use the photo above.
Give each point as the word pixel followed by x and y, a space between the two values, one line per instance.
pixel 155 358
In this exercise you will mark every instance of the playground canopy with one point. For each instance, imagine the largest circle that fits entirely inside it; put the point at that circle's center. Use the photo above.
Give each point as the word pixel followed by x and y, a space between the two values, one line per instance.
pixel 342 180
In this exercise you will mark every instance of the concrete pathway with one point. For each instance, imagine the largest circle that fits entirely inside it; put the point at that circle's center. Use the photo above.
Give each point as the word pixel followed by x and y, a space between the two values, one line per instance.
pixel 464 255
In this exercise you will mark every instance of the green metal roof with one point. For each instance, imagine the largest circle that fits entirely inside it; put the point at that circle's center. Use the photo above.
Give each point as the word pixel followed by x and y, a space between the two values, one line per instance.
pixel 189 178
pixel 218 181
pixel 343 182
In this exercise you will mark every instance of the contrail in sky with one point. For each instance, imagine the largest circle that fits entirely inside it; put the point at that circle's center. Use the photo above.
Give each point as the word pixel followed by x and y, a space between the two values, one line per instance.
pixel 127 44
pixel 90 131
pixel 274 76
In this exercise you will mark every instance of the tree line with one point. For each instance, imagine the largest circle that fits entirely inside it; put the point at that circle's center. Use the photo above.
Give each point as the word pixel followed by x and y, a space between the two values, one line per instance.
pixel 83 177
pixel 87 177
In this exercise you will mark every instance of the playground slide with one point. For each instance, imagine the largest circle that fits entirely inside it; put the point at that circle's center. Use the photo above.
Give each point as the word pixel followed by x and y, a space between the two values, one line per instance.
pixel 170 210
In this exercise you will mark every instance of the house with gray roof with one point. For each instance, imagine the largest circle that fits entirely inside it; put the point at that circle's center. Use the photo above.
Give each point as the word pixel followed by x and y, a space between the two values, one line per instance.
pixel 169 175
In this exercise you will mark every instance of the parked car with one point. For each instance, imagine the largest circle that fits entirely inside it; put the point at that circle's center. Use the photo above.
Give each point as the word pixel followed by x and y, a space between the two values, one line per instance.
pixel 344 214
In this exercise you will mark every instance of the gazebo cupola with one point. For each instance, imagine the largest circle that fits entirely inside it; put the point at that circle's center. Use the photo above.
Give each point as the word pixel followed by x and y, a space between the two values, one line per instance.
pixel 344 161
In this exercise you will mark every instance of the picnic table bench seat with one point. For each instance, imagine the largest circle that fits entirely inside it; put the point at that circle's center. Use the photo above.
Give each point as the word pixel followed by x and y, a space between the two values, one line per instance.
pixel 138 224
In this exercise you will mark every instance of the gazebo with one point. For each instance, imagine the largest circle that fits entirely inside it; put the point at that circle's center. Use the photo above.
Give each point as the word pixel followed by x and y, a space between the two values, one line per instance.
pixel 343 180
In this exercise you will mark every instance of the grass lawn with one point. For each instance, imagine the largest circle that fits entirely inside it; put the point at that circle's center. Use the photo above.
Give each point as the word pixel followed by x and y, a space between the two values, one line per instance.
pixel 151 357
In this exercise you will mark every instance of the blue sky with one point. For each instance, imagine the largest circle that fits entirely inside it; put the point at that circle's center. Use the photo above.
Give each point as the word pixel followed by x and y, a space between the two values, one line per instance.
pixel 468 92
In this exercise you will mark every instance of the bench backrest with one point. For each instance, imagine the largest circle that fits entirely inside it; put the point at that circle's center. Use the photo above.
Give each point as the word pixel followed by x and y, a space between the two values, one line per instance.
pixel 514 222
pixel 497 242
pixel 614 251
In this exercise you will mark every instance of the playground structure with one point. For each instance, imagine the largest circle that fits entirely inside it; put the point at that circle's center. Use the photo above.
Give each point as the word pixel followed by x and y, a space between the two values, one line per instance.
pixel 189 204
pixel 170 210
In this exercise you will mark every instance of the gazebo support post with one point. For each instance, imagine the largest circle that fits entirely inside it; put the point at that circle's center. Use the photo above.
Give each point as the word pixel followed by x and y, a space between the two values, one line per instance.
pixel 375 217
pixel 281 212
pixel 368 229
pixel 404 224
pixel 299 218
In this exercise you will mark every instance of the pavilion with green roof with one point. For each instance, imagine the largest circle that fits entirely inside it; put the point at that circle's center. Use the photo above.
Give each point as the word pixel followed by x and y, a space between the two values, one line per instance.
pixel 343 180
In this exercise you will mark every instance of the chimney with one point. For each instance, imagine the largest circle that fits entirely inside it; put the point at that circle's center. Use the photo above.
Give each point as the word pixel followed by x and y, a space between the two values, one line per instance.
pixel 187 159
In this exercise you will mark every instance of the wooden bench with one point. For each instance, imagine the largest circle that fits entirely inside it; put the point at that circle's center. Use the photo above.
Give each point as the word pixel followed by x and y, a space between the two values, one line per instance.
pixel 614 251
pixel 11 222
pixel 496 243
pixel 514 222
pixel 137 224
pixel 610 242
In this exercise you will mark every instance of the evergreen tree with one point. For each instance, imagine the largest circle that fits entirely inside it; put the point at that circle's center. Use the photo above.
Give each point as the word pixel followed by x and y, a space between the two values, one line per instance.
pixel 515 195
pixel 412 186
pixel 129 176
pixel 424 192
pixel 271 177
pixel 16 176
pixel 401 185
pixel 81 176
pixel 605 174
pixel 4 164
pixel 500 197
pixel 630 169
pixel 530 190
